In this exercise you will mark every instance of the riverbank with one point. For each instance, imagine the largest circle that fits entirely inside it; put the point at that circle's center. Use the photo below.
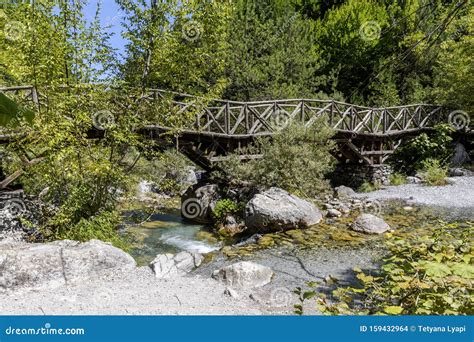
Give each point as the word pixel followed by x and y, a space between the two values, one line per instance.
pixel 329 256
pixel 456 199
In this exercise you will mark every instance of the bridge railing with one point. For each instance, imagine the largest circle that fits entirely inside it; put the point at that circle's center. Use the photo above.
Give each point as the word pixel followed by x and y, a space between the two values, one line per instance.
pixel 267 117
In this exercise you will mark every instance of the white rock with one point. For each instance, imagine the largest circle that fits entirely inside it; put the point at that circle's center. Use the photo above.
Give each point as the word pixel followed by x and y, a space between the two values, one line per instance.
pixel 169 265
pixel 368 223
pixel 244 274
pixel 276 210
pixel 334 213
pixel 48 265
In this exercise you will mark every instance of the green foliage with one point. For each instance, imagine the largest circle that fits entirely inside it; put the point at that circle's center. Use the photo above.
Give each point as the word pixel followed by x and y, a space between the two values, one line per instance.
pixel 454 79
pixel 223 208
pixel 425 275
pixel 167 170
pixel 432 173
pixel 297 159
pixel 410 156
pixel 369 187
pixel 102 226
pixel 397 179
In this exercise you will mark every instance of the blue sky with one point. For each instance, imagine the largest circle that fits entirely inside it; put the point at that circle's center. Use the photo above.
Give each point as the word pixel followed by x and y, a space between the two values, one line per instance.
pixel 111 15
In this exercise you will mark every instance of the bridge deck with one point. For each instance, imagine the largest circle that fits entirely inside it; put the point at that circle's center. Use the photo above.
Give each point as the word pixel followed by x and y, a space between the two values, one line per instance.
pixel 218 127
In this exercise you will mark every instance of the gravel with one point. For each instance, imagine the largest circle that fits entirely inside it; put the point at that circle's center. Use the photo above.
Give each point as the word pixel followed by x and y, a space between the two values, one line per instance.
pixel 457 198
pixel 135 292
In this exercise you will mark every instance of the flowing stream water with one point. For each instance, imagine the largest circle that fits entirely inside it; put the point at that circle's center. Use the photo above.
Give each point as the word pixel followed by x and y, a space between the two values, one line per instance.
pixel 168 233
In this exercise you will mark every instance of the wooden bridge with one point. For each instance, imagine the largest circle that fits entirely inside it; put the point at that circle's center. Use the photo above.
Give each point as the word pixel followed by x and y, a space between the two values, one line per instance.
pixel 363 135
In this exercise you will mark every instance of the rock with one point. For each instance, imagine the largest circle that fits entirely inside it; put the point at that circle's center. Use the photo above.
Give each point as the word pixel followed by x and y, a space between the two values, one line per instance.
pixel 413 180
pixel 189 178
pixel 229 291
pixel 460 155
pixel 328 206
pixel 48 265
pixel 408 208
pixel 249 241
pixel 344 192
pixel 334 213
pixel 231 227
pixel 368 223
pixel 450 181
pixel 345 209
pixel 198 202
pixel 276 210
pixel 169 265
pixel 244 274
pixel 459 172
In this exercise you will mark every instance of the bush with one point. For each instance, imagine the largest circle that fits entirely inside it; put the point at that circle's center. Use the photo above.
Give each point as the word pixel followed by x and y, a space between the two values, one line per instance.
pixel 223 208
pixel 426 275
pixel 102 226
pixel 409 157
pixel 397 179
pixel 297 160
pixel 432 173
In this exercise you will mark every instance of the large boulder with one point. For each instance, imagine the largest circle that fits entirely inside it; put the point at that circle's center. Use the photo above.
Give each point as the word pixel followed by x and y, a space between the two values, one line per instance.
pixel 276 210
pixel 198 202
pixel 169 265
pixel 244 274
pixel 368 223
pixel 53 264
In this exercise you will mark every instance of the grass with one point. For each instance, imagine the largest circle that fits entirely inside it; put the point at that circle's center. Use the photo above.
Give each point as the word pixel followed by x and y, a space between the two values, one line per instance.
pixel 433 174
pixel 368 187
pixel 397 179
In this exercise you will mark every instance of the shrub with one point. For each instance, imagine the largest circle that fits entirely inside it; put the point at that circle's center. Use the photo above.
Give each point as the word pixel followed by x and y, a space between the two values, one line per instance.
pixel 297 160
pixel 425 275
pixel 432 173
pixel 397 179
pixel 102 226
pixel 368 187
pixel 223 208
pixel 410 156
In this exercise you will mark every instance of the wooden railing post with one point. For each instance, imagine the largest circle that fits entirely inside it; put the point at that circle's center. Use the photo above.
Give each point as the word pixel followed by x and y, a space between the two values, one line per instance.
pixel 331 114
pixel 384 121
pixel 227 118
pixel 302 111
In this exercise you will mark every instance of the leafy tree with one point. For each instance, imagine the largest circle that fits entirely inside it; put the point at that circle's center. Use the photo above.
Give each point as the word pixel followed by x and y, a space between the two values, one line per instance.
pixel 273 53
pixel 454 79
pixel 297 159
